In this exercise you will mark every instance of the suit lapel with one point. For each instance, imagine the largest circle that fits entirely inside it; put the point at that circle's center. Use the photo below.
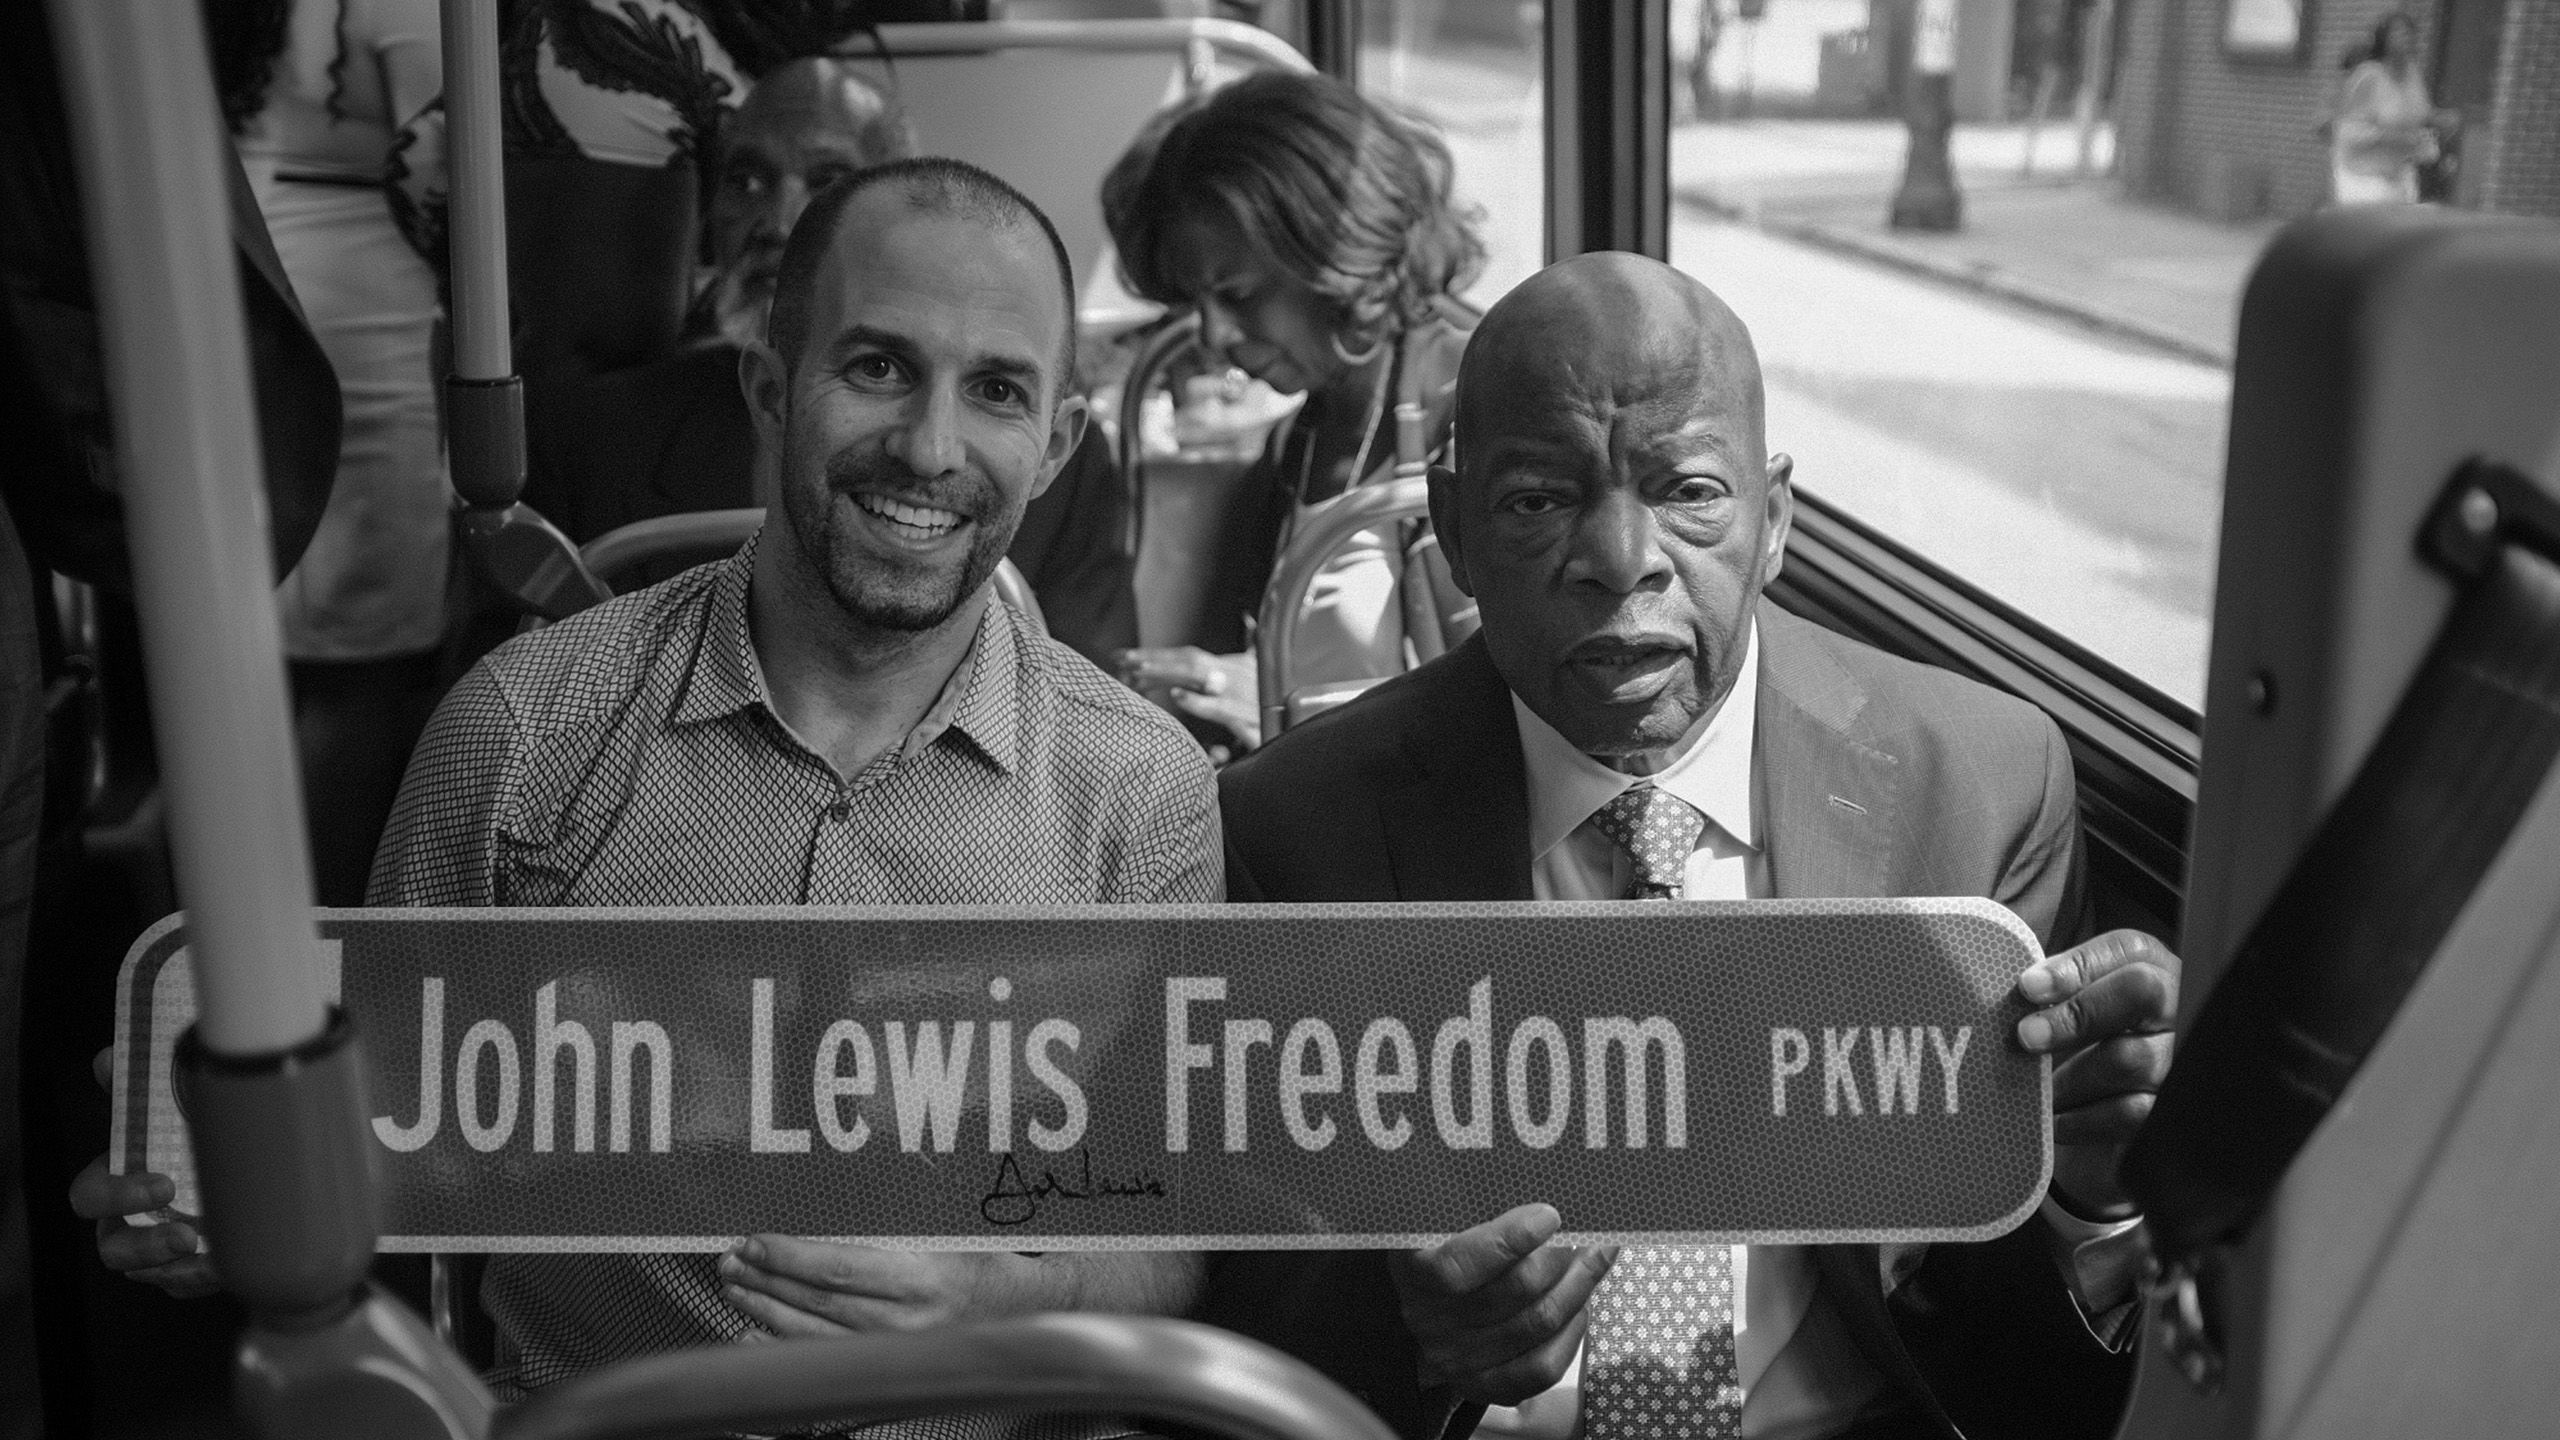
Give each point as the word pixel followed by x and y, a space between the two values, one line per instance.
pixel 1458 827
pixel 1832 801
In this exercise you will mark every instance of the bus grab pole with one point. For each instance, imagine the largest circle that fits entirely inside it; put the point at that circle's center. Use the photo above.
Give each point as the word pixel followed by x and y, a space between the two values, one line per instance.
pixel 516 551
pixel 484 397
pixel 270 1073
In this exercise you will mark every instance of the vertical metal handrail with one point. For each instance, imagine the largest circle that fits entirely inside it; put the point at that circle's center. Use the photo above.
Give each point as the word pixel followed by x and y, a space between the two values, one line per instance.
pixel 272 1078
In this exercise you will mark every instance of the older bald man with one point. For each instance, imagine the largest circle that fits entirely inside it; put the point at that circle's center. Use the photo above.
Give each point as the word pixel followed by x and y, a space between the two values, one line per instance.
pixel 1617 516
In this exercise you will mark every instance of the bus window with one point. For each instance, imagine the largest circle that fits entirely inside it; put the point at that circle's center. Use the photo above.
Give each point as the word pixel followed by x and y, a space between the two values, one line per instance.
pixel 2033 401
pixel 1472 68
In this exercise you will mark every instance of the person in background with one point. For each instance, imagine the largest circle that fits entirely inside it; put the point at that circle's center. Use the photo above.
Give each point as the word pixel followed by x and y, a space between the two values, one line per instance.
pixel 317 93
pixel 2386 126
pixel 1314 233
pixel 674 435
pixel 612 112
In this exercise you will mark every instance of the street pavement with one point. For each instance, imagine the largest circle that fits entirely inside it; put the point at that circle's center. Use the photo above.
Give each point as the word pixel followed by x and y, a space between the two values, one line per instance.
pixel 2068 467
pixel 2038 230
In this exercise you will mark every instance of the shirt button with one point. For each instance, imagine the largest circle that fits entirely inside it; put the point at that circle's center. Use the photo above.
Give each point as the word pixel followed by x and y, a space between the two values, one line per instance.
pixel 839 812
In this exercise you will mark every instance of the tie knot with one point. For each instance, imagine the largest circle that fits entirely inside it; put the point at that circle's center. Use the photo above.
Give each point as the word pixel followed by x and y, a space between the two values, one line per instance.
pixel 1657 831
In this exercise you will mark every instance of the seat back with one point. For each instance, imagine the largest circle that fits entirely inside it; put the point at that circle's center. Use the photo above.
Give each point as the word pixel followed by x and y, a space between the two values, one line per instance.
pixel 1049 105
pixel 1323 530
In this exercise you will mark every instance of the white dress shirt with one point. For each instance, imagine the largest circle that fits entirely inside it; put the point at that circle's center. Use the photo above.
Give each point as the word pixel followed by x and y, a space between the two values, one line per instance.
pixel 1801 1376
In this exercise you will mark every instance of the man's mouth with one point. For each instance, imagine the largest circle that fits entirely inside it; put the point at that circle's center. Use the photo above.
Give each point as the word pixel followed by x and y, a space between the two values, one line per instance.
pixel 1628 669
pixel 922 522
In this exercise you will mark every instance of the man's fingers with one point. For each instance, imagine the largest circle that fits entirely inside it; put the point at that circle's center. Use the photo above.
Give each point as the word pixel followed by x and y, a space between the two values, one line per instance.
pixel 790 1291
pixel 843 1269
pixel 1522 1376
pixel 188 1279
pixel 1430 1313
pixel 126 1249
pixel 1527 1330
pixel 2108 1122
pixel 1473 1258
pixel 98 1195
pixel 2134 999
pixel 2059 977
pixel 776 1316
pixel 2125 1065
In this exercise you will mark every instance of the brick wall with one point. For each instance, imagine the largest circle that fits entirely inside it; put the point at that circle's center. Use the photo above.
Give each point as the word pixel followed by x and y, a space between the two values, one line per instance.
pixel 2521 172
pixel 2236 139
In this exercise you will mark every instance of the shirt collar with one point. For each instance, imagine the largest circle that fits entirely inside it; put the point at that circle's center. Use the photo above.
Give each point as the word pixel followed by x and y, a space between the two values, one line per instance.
pixel 981 702
pixel 1712 771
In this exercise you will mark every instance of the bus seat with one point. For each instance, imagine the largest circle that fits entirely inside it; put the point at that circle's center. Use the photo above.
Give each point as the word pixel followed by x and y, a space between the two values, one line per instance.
pixel 1180 1371
pixel 1048 97
pixel 1323 530
pixel 1102 10
pixel 1049 104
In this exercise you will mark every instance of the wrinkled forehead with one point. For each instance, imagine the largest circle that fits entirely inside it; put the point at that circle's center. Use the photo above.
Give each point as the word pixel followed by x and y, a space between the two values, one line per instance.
pixel 792 112
pixel 1608 377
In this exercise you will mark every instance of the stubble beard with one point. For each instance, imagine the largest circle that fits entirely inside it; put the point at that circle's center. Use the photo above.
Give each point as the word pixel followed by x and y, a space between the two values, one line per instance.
pixel 921 600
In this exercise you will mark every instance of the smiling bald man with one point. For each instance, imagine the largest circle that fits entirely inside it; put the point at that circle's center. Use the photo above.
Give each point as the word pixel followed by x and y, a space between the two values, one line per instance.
pixel 1617 514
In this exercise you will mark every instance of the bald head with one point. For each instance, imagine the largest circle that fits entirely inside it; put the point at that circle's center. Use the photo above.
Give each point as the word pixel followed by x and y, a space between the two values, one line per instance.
pixel 821 94
pixel 805 126
pixel 1615 511
pixel 1603 325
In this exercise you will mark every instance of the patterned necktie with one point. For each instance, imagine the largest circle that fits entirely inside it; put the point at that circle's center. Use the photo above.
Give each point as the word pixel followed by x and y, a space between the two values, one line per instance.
pixel 1658 832
pixel 1658 1363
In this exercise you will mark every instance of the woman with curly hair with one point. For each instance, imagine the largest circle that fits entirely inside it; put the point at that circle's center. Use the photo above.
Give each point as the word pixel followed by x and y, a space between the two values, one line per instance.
pixel 1313 232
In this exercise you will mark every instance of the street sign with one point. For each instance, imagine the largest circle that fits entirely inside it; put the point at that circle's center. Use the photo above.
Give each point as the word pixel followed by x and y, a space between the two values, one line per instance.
pixel 1116 1077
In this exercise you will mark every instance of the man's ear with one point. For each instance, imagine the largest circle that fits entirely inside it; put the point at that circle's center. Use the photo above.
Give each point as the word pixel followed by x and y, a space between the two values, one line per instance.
pixel 1066 432
pixel 765 379
pixel 1443 482
pixel 1780 516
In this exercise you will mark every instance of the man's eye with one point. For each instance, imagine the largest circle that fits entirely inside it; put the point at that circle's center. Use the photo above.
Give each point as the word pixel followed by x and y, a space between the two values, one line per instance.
pixel 1001 392
pixel 744 182
pixel 1532 503
pixel 1695 492
pixel 877 369
pixel 828 175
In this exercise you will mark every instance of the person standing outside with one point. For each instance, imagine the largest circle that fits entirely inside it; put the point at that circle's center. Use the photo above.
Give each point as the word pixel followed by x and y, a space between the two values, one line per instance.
pixel 838 715
pixel 2387 126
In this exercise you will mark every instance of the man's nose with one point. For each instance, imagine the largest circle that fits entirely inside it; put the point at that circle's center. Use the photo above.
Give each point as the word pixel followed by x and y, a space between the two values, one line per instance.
pixel 784 200
pixel 929 440
pixel 1618 545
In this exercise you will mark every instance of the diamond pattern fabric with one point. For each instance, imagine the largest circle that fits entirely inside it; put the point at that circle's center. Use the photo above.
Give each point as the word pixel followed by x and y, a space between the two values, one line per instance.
pixel 1657 831
pixel 1658 1362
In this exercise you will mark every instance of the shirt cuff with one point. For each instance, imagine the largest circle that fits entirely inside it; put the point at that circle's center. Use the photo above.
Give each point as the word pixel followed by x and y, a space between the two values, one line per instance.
pixel 2101 1264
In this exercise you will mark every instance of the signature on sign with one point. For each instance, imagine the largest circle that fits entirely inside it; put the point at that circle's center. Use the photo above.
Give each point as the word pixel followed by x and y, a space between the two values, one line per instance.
pixel 1015 1199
